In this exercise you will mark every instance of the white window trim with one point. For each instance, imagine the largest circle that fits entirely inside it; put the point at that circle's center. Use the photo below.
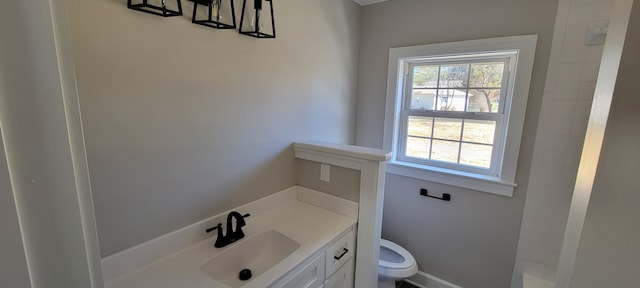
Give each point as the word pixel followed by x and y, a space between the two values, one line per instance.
pixel 503 184
pixel 509 58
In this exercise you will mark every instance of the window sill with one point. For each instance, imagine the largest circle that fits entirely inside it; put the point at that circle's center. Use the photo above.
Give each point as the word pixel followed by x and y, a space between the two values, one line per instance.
pixel 466 180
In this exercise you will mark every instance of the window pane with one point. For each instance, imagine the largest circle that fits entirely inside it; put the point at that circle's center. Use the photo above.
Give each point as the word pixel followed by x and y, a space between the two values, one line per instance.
pixel 446 151
pixel 419 126
pixel 451 99
pixel 425 76
pixel 454 76
pixel 423 99
pixel 479 131
pixel 418 147
pixel 484 100
pixel 486 75
pixel 475 155
pixel 447 128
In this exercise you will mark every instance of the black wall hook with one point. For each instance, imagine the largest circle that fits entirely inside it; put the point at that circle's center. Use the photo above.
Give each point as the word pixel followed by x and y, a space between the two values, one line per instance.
pixel 445 196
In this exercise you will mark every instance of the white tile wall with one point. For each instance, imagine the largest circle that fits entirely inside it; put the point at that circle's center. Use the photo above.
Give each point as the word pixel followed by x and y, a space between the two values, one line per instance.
pixel 569 89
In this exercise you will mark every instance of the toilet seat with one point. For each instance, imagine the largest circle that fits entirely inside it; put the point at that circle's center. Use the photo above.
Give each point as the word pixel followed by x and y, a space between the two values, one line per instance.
pixel 398 264
pixel 408 262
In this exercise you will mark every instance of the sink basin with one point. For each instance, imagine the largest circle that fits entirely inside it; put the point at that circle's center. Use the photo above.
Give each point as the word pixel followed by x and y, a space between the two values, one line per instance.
pixel 258 253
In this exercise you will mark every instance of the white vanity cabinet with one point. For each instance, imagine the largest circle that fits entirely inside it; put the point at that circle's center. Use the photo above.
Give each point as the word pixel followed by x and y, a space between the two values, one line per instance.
pixel 339 262
pixel 333 267
pixel 309 276
pixel 343 278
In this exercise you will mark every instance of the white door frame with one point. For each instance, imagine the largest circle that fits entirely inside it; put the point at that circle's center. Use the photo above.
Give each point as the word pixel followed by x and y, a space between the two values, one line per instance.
pixel 44 145
pixel 605 86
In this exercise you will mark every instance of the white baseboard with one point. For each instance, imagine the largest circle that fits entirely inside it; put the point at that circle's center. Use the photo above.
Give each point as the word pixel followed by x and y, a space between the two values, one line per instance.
pixel 424 280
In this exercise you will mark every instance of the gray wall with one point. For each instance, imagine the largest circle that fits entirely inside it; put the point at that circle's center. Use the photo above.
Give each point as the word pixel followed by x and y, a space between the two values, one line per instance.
pixel 471 241
pixel 13 263
pixel 343 182
pixel 608 253
pixel 183 122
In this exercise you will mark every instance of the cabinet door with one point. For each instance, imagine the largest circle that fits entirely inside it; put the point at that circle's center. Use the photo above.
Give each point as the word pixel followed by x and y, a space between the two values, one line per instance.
pixel 339 253
pixel 343 278
pixel 309 277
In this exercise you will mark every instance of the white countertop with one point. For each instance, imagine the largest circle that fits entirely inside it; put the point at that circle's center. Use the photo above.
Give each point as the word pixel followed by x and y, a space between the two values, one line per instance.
pixel 311 226
pixel 535 282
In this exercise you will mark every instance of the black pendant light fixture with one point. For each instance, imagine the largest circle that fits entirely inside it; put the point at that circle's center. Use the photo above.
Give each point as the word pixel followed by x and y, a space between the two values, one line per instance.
pixel 255 23
pixel 160 9
pixel 215 14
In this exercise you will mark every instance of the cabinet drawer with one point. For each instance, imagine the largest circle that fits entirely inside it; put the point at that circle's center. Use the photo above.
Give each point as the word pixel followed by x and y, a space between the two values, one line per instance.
pixel 343 278
pixel 339 253
pixel 311 276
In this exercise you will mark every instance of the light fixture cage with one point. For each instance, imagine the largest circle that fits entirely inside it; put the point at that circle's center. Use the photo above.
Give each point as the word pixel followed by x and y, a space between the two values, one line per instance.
pixel 215 14
pixel 156 7
pixel 256 24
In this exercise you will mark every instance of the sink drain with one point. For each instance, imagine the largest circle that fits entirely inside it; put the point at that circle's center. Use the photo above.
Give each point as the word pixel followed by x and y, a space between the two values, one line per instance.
pixel 245 274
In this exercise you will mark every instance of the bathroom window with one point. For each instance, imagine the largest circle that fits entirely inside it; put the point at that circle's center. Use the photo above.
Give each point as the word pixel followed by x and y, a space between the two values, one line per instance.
pixel 455 111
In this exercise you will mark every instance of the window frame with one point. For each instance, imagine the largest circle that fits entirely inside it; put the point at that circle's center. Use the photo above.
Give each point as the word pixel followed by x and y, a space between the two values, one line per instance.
pixel 500 178
pixel 508 59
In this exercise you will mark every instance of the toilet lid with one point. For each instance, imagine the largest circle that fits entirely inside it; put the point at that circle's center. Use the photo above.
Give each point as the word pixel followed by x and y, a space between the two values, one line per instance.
pixel 408 258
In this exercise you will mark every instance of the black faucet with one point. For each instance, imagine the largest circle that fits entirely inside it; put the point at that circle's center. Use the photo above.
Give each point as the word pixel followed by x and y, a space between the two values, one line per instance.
pixel 231 236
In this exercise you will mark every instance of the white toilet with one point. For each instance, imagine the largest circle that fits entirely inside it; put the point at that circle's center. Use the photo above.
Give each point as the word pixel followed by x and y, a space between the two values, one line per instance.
pixel 395 264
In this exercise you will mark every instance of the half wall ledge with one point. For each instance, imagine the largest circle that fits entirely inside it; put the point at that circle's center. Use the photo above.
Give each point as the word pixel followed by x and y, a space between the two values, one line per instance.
pixel 372 166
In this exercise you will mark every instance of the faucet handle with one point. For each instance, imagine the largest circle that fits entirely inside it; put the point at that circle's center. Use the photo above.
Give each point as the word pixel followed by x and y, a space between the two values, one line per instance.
pixel 221 241
pixel 241 221
pixel 219 227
